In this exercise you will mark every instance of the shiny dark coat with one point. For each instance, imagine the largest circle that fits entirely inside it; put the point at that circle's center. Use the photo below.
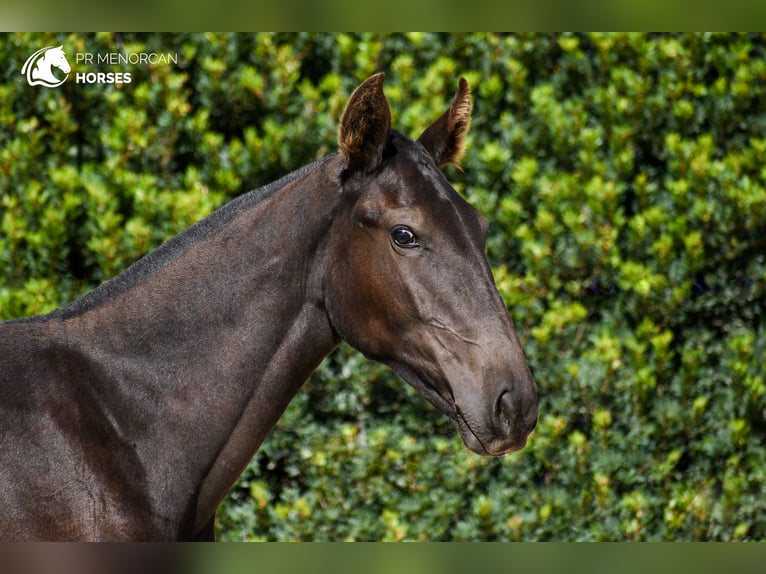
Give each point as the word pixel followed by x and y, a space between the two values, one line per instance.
pixel 130 413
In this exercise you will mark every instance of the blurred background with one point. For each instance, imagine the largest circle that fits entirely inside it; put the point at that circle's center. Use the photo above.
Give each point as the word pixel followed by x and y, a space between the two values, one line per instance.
pixel 624 180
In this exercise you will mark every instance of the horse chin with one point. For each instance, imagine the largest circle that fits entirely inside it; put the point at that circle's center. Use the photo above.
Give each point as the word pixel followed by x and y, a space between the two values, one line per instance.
pixel 494 448
pixel 472 442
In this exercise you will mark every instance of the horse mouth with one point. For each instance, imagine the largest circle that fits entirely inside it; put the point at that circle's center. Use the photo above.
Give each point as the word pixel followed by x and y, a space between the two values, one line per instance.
pixel 492 447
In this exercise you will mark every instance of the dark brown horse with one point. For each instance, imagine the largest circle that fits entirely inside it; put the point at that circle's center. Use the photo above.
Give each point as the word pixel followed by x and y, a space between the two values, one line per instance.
pixel 131 412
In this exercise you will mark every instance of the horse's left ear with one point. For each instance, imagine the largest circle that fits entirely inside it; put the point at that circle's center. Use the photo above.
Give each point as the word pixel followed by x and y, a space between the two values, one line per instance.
pixel 364 126
pixel 445 138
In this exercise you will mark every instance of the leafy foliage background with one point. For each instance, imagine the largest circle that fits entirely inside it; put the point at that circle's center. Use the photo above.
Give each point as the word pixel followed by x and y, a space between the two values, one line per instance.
pixel 624 178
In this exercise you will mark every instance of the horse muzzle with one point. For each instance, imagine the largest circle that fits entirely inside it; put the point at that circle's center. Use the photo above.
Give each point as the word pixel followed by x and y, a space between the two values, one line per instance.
pixel 506 426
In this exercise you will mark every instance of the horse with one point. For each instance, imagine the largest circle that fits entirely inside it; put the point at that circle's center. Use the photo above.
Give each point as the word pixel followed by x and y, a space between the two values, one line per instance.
pixel 129 413
pixel 38 67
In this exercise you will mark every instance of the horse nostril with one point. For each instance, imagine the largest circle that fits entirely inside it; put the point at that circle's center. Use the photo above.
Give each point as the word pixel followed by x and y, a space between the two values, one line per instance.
pixel 515 410
pixel 505 411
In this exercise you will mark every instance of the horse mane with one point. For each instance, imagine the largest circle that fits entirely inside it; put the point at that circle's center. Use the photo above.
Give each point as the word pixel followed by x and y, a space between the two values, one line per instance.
pixel 173 248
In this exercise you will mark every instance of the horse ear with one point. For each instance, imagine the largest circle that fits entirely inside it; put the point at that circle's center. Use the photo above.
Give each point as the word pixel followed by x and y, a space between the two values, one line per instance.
pixel 364 126
pixel 445 138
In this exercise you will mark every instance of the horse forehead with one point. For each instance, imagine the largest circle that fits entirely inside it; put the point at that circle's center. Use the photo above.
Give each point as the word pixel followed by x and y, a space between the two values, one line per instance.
pixel 426 188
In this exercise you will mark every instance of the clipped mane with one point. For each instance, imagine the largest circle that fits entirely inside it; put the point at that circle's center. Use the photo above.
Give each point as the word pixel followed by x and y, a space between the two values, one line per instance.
pixel 173 248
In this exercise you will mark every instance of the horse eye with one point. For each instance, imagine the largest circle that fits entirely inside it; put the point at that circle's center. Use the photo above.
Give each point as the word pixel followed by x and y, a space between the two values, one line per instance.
pixel 404 237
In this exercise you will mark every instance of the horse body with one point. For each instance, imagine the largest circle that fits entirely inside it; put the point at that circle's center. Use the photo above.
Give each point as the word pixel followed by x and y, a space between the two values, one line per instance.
pixel 130 413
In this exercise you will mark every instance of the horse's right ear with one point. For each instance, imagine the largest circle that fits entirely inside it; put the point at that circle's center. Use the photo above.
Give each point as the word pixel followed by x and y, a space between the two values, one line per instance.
pixel 364 126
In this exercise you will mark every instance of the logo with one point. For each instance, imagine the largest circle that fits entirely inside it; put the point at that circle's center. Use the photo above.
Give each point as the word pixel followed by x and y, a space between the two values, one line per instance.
pixel 49 67
pixel 39 67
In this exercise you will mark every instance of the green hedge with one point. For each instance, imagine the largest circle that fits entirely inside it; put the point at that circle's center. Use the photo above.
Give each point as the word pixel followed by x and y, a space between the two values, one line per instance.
pixel 624 179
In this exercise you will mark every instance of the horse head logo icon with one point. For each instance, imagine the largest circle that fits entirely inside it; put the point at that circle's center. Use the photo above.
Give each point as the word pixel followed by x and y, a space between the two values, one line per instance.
pixel 39 67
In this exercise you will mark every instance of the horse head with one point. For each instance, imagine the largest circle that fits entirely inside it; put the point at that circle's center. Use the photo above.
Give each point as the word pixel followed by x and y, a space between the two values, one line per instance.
pixel 56 58
pixel 410 285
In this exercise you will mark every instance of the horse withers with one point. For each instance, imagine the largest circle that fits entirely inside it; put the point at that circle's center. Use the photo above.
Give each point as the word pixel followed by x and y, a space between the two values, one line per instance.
pixel 128 414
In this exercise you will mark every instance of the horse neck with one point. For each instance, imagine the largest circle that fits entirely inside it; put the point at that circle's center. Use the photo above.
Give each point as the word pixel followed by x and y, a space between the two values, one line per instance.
pixel 219 339
pixel 43 67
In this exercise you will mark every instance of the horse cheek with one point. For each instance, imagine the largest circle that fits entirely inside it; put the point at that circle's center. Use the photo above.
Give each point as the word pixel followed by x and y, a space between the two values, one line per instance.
pixel 355 305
